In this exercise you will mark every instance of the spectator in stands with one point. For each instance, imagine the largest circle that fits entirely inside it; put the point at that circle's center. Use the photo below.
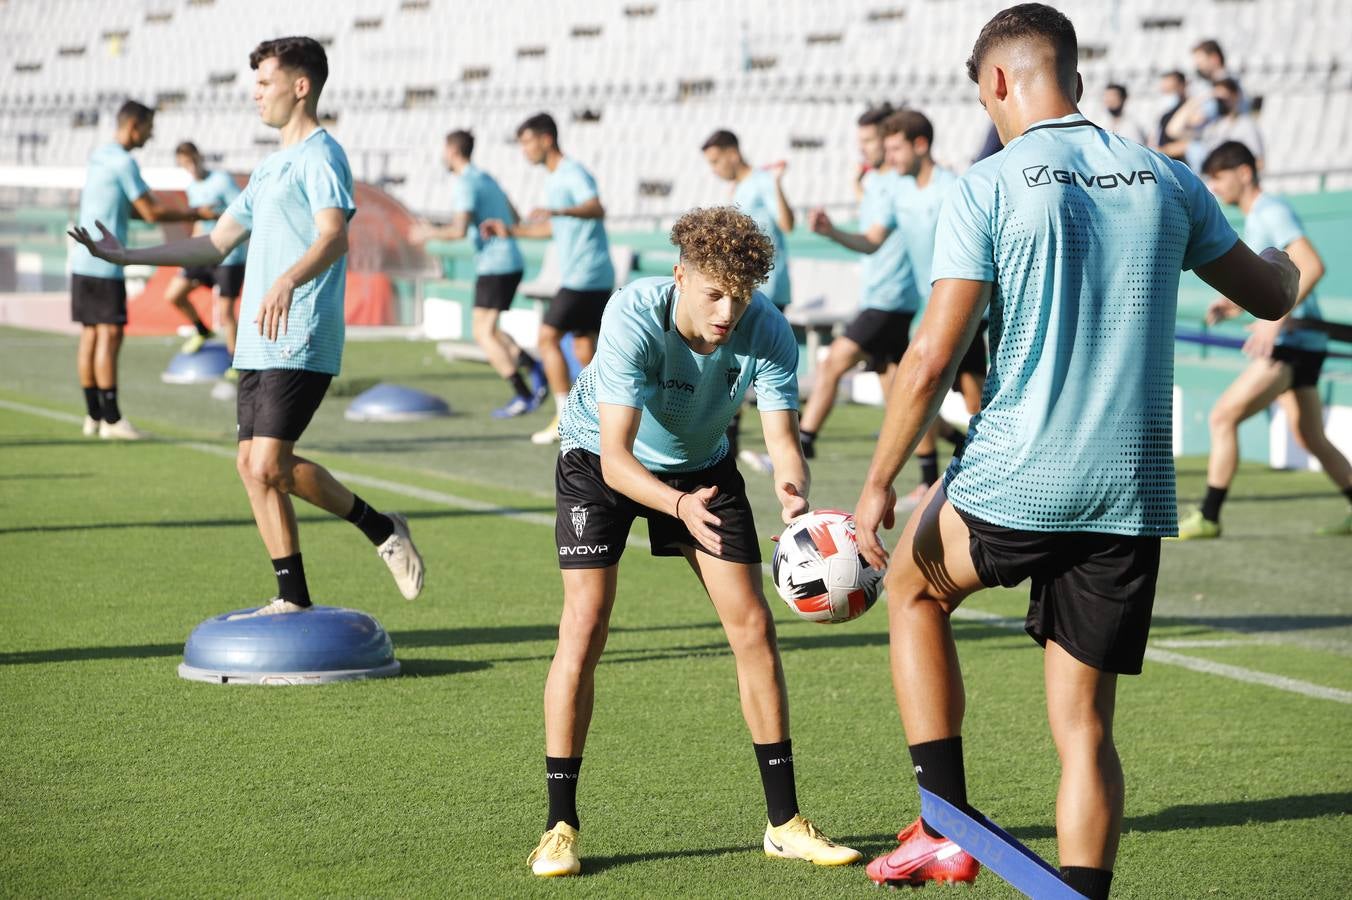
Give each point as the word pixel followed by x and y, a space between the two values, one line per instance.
pixel 113 191
pixel 498 266
pixel 760 194
pixel 1174 90
pixel 574 220
pixel 1208 60
pixel 1203 132
pixel 1118 122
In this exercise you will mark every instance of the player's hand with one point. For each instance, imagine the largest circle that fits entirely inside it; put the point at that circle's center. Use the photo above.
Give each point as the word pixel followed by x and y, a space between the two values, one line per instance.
pixel 1262 338
pixel 106 247
pixel 275 308
pixel 693 509
pixel 539 214
pixel 1221 309
pixel 208 213
pixel 876 507
pixel 792 504
pixel 420 233
pixel 493 228
pixel 819 221
pixel 777 168
pixel 1286 270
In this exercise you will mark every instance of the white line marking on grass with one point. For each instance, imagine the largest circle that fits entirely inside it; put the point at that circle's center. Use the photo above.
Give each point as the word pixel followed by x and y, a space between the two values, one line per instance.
pixel 1191 643
pixel 1154 653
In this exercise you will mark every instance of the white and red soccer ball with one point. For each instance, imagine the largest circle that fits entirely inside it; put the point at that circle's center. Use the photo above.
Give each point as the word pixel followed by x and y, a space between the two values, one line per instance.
pixel 818 571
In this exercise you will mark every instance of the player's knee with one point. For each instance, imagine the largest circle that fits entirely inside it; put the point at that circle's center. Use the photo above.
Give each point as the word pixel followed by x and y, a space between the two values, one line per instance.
pixel 272 473
pixel 582 636
pixel 751 629
pixel 1223 417
pixel 242 466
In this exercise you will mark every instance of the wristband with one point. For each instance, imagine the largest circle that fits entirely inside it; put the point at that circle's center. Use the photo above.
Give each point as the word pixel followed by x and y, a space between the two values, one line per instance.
pixel 678 504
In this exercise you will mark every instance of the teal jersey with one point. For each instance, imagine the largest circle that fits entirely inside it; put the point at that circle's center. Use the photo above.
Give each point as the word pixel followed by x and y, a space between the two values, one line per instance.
pixel 917 213
pixel 885 278
pixel 757 196
pixel 278 207
pixel 581 244
pixel 112 182
pixel 687 398
pixel 216 190
pixel 477 193
pixel 1082 234
pixel 1272 222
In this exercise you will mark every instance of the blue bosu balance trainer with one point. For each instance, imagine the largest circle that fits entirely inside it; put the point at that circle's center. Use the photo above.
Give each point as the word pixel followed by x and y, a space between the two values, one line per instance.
pixel 319 645
pixel 395 403
pixel 206 365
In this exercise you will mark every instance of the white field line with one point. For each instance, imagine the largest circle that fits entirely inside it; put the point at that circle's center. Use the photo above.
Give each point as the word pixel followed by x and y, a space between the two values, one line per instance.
pixel 1154 654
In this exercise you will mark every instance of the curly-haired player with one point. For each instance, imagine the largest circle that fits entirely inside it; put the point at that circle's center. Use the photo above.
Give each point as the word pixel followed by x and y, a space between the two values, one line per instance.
pixel 643 435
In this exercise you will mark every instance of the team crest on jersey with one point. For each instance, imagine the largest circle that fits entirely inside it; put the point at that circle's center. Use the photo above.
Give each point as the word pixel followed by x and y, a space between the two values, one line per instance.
pixel 579 520
pixel 734 376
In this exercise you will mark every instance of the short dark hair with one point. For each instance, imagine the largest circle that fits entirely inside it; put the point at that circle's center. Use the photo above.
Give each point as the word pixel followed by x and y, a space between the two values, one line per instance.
pixel 301 53
pixel 1211 48
pixel 187 148
pixel 1175 73
pixel 1228 83
pixel 722 139
pixel 874 115
pixel 462 141
pixel 1030 20
pixel 910 124
pixel 1230 155
pixel 540 123
pixel 131 111
pixel 1120 88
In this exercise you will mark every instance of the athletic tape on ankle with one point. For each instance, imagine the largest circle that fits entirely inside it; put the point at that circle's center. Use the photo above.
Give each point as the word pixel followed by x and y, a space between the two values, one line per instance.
pixel 996 849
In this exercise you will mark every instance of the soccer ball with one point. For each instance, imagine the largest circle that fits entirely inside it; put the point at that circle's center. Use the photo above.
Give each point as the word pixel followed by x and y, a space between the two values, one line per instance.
pixel 818 571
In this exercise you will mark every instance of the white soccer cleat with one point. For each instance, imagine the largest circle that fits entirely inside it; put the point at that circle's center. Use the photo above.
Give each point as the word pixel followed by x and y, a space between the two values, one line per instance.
pixel 547 435
pixel 403 558
pixel 277 607
pixel 121 430
pixel 91 427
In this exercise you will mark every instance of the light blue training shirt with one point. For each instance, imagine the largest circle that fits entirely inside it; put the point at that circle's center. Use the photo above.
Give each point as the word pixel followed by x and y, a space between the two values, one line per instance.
pixel 1272 222
pixel 478 193
pixel 687 398
pixel 885 281
pixel 757 196
pixel 900 283
pixel 1083 234
pixel 217 190
pixel 581 244
pixel 278 207
pixel 112 182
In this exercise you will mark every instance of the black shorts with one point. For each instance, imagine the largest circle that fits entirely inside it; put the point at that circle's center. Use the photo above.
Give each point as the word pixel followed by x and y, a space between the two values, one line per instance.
pixel 278 403
pixel 578 312
pixel 228 280
pixel 974 361
pixel 1092 592
pixel 883 335
pixel 592 521
pixel 98 301
pixel 1305 365
pixel 496 291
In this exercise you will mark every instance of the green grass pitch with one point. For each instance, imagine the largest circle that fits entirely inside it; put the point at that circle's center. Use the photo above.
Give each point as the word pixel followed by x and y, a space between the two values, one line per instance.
pixel 119 779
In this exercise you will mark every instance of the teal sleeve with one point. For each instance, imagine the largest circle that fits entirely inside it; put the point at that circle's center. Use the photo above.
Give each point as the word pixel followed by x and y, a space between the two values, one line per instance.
pixel 1211 236
pixel 622 357
pixel 328 184
pixel 462 196
pixel 776 377
pixel 226 190
pixel 130 181
pixel 876 208
pixel 964 246
pixel 581 186
pixel 241 208
pixel 1281 223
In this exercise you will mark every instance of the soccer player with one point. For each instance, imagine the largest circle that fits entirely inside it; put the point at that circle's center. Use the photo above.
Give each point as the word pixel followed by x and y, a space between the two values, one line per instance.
pixel 574 219
pixel 114 191
pixel 760 194
pixel 497 267
pixel 643 435
pixel 1075 237
pixel 211 190
pixel 1284 361
pixel 296 207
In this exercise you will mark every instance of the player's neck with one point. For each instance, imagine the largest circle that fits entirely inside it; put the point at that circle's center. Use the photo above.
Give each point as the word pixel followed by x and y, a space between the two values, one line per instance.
pixel 553 157
pixel 459 166
pixel 300 126
pixel 924 172
pixel 1249 197
pixel 124 140
pixel 1042 109
pixel 743 170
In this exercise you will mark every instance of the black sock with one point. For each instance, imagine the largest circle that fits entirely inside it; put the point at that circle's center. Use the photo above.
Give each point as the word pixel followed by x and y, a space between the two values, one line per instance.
pixel 202 329
pixel 561 778
pixel 108 401
pixel 519 385
pixel 525 361
pixel 809 441
pixel 376 526
pixel 1092 883
pixel 929 468
pixel 939 770
pixel 1211 503
pixel 290 572
pixel 93 405
pixel 1347 492
pixel 776 768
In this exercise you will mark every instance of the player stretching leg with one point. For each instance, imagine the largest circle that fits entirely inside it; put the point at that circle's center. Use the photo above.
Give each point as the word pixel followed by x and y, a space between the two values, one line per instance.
pixel 497 267
pixel 1067 476
pixel 297 206
pixel 574 220
pixel 643 435
pixel 1285 362
pixel 211 191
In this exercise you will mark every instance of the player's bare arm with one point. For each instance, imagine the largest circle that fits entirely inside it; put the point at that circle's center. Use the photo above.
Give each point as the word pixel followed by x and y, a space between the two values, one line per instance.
pixel 204 250
pixel 860 242
pixel 791 476
pixel 1264 285
pixel 147 207
pixel 591 209
pixel 454 230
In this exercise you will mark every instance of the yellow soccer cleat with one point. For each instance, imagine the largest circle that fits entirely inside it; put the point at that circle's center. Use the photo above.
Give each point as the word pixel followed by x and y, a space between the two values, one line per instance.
pixel 196 342
pixel 1196 527
pixel 556 855
pixel 799 839
pixel 547 435
pixel 1339 528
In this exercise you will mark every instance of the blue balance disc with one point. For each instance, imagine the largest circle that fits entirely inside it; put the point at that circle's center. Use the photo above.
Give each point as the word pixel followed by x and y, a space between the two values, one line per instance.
pixel 321 644
pixel 207 364
pixel 395 403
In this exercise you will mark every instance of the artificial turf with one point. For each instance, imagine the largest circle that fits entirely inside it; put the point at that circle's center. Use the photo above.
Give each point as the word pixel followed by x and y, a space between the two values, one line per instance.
pixel 121 779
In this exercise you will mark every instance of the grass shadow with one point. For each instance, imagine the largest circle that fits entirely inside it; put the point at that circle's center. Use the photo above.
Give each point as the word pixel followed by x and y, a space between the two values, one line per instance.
pixel 433 668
